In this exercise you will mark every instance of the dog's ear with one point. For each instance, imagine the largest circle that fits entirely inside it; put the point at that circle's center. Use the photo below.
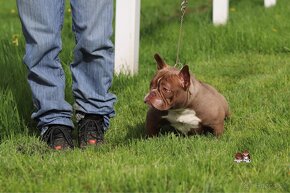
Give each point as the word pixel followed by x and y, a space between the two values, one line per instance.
pixel 184 75
pixel 160 62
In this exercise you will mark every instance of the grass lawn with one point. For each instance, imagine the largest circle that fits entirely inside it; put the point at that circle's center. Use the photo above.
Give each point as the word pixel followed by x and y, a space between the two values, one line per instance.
pixel 248 60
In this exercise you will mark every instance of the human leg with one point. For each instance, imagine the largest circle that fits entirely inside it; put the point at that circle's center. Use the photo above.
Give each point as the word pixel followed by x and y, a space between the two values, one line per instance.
pixel 92 68
pixel 93 65
pixel 42 23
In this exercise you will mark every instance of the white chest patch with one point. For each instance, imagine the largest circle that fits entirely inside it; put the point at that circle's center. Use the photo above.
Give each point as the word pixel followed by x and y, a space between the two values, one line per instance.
pixel 183 119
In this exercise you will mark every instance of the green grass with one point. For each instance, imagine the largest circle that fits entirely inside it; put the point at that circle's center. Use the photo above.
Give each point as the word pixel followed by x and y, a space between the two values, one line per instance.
pixel 248 60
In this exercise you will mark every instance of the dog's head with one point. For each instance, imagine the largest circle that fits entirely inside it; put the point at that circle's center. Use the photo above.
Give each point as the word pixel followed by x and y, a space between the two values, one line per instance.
pixel 169 86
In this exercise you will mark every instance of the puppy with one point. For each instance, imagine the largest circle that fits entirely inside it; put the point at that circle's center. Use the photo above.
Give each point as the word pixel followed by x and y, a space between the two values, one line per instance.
pixel 178 99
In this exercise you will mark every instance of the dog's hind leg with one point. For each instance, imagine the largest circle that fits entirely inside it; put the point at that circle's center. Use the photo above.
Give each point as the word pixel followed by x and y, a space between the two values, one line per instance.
pixel 218 129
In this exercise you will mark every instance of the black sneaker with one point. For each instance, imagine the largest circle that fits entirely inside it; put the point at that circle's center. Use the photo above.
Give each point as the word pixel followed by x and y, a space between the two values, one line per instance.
pixel 58 137
pixel 91 130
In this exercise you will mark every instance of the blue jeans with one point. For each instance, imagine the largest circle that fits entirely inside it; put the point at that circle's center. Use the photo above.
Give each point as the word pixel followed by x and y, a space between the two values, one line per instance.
pixel 92 68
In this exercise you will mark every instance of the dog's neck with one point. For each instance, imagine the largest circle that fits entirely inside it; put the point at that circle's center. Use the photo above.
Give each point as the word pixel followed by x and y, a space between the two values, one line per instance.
pixel 192 92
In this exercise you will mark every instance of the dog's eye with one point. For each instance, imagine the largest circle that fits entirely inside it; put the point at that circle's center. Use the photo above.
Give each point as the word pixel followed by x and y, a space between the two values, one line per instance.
pixel 166 90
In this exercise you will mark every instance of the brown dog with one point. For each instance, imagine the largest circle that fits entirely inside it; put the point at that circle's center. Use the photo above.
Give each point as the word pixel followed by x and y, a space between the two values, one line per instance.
pixel 177 99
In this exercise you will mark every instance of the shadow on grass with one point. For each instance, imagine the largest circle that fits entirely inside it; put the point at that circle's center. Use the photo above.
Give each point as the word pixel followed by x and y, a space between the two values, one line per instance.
pixel 138 132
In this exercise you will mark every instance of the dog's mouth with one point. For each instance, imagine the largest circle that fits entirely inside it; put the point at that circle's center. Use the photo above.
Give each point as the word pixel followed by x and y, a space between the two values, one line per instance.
pixel 157 104
pixel 157 100
pixel 149 104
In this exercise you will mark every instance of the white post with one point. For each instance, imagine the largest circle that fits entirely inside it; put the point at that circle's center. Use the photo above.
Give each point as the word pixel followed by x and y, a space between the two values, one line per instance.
pixel 269 3
pixel 220 12
pixel 127 36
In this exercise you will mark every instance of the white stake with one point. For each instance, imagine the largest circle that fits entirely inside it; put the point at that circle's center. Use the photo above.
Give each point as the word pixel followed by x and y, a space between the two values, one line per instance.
pixel 269 3
pixel 127 36
pixel 220 12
